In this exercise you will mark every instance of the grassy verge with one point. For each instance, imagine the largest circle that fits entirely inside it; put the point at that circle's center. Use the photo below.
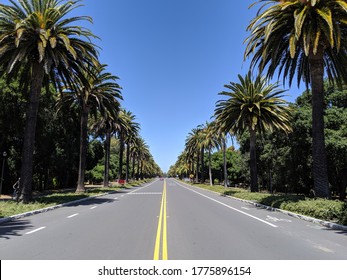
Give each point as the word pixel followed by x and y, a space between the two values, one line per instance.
pixel 10 207
pixel 328 210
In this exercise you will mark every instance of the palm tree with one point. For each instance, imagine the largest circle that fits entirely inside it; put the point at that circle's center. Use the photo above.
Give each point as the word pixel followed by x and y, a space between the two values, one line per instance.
pixel 123 128
pixel 40 43
pixel 130 139
pixel 99 95
pixel 255 106
pixel 106 126
pixel 143 154
pixel 303 38
pixel 194 146
pixel 211 142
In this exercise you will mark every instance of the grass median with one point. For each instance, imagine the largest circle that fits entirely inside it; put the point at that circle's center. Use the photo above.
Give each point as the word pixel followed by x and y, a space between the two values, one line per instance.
pixel 10 207
pixel 324 209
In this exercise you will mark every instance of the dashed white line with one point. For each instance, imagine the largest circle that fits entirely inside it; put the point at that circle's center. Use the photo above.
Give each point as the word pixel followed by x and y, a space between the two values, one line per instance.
pixel 91 208
pixel 71 216
pixel 35 230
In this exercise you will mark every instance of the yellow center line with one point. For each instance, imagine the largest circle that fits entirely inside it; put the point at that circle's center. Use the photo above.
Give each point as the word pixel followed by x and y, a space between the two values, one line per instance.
pixel 162 227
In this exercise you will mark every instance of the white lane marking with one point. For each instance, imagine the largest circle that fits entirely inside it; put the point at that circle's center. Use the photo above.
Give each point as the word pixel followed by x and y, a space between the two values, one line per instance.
pixel 237 210
pixel 274 219
pixel 145 193
pixel 35 230
pixel 116 198
pixel 71 216
pixel 245 208
pixel 91 208
pixel 143 187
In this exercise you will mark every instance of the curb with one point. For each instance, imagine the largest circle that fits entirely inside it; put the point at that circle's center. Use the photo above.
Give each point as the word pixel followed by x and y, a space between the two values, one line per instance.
pixel 43 210
pixel 323 223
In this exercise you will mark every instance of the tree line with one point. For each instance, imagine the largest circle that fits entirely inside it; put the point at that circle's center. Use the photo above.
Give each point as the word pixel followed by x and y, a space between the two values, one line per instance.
pixel 284 161
pixel 302 40
pixel 54 86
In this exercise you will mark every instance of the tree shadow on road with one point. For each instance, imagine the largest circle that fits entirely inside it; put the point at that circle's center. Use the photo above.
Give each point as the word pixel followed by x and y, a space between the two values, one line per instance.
pixel 12 228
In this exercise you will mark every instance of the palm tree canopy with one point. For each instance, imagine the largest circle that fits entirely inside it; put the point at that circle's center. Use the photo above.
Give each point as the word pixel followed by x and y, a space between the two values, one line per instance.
pixel 252 104
pixel 284 34
pixel 39 32
pixel 101 94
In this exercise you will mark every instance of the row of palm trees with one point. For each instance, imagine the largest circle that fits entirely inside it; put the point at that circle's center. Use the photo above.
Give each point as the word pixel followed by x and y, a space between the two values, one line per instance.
pixel 41 46
pixel 253 106
pixel 302 39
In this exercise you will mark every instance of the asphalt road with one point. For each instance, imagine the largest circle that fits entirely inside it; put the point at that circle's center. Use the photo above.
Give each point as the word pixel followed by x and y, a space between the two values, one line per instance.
pixel 167 219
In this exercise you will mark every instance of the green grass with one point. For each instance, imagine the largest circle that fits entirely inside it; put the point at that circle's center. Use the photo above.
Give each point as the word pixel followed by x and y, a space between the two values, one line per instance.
pixel 328 210
pixel 10 207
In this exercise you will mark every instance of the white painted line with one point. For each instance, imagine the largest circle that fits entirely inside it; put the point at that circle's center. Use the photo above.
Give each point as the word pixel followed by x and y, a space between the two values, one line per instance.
pixel 91 208
pixel 74 215
pixel 237 210
pixel 35 230
pixel 245 208
pixel 116 198
pixel 143 187
pixel 146 193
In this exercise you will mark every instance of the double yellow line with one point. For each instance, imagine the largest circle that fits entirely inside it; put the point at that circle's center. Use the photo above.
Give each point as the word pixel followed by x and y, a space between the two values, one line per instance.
pixel 161 238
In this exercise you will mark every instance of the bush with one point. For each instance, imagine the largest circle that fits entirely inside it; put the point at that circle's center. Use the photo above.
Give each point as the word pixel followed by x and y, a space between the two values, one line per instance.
pixel 343 216
pixel 329 210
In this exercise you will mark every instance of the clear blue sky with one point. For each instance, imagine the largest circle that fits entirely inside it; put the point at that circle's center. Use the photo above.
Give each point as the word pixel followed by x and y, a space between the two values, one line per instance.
pixel 173 57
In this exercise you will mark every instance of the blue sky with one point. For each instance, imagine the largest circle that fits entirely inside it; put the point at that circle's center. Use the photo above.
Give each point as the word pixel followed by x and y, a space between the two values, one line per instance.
pixel 173 57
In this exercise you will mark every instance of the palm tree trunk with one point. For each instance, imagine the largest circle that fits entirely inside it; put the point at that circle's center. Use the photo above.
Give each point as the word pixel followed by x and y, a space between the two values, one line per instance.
pixel 253 160
pixel 320 171
pixel 197 167
pixel 83 150
pixel 29 133
pixel 202 165
pixel 209 167
pixel 107 159
pixel 133 167
pixel 127 163
pixel 121 151
pixel 138 168
pixel 225 170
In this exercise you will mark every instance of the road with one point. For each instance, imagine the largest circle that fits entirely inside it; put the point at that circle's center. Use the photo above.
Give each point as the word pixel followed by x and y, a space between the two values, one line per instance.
pixel 167 219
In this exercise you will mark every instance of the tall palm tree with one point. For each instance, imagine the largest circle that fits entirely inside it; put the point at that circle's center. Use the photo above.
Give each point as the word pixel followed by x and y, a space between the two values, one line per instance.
pixel 130 139
pixel 253 105
pixel 40 43
pixel 194 146
pixel 211 142
pixel 303 38
pixel 106 126
pixel 100 95
pixel 143 154
pixel 123 128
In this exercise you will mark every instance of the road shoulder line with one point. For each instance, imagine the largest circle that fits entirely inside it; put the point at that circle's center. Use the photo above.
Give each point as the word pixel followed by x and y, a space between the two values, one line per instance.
pixel 38 211
pixel 323 223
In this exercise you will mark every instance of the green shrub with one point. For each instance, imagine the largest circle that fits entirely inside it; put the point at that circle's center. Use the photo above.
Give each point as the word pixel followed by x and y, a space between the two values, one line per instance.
pixel 343 216
pixel 329 210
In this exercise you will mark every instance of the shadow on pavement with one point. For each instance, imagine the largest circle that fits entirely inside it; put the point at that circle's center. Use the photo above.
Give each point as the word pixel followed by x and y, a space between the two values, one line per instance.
pixel 12 227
